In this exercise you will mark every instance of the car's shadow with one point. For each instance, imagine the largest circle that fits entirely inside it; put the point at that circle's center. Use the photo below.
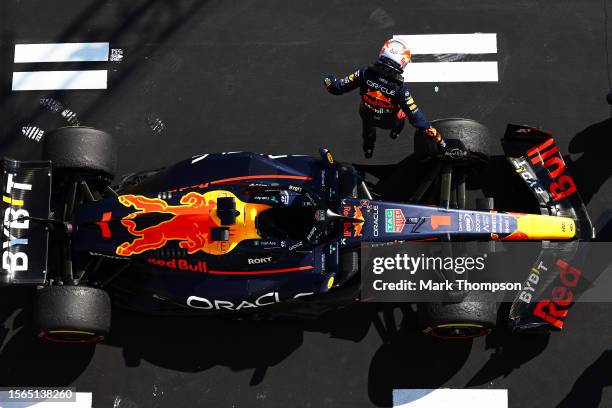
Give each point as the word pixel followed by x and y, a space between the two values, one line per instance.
pixel 177 343
pixel 24 359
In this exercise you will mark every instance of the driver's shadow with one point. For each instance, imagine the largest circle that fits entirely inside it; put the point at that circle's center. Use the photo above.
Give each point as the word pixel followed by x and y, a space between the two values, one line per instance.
pixel 587 391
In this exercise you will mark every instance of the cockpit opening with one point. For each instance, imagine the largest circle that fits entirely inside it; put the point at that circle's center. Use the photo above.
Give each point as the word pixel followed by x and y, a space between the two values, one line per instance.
pixel 286 222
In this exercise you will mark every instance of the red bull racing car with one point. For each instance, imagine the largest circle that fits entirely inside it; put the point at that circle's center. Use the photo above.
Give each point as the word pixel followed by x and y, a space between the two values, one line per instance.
pixel 244 233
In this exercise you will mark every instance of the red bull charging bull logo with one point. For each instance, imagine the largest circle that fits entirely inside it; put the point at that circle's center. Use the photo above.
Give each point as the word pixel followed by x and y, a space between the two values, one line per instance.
pixel 352 229
pixel 191 223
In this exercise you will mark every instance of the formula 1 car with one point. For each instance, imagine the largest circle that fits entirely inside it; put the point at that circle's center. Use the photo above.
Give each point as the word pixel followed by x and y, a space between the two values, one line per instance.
pixel 240 233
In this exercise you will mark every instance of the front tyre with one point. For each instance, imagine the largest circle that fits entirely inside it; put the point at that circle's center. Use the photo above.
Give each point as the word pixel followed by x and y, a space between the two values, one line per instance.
pixel 473 135
pixel 72 314
pixel 475 316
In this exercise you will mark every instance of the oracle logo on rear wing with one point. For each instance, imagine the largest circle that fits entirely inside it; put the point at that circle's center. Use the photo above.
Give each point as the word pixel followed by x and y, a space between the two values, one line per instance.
pixel 26 190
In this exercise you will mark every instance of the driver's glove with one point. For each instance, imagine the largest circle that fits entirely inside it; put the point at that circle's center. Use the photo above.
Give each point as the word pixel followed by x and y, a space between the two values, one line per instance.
pixel 330 79
pixel 436 137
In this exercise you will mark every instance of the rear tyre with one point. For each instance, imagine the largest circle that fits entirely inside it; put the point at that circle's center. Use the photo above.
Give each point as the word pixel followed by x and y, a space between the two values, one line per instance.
pixel 72 314
pixel 474 136
pixel 82 149
pixel 475 316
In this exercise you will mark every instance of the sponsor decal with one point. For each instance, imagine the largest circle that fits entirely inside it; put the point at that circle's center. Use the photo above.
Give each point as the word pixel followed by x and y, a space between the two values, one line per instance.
pixel 468 223
pixel 394 220
pixel 267 299
pixel 555 309
pixel 311 233
pixel 375 225
pixel 352 229
pixel 530 178
pixel 532 281
pixel 14 261
pixel 268 243
pixel 258 261
pixel 180 264
pixel 383 89
pixel 482 222
pixel 296 245
pixel 376 99
pixel 547 155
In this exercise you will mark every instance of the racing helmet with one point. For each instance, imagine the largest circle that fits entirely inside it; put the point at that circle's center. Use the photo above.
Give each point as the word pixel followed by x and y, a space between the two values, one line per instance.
pixel 395 53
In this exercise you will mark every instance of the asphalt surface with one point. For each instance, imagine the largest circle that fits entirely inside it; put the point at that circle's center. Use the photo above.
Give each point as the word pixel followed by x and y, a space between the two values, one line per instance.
pixel 202 76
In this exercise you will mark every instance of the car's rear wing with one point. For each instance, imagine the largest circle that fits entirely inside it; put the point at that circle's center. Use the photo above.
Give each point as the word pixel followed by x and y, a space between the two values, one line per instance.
pixel 26 192
pixel 536 158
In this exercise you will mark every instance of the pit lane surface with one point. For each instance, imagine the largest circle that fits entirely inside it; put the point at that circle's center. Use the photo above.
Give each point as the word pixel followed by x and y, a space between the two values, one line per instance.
pixel 190 77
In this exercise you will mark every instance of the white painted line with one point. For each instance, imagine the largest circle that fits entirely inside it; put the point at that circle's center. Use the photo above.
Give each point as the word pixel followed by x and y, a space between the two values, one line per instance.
pixel 450 398
pixel 61 52
pixel 48 80
pixel 473 71
pixel 477 43
pixel 83 400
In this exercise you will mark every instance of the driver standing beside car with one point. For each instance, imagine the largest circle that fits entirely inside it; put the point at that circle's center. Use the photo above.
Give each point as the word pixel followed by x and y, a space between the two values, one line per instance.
pixel 386 100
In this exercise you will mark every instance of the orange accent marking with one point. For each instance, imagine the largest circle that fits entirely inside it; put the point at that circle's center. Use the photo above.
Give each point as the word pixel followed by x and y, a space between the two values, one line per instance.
pixel 440 220
pixel 516 236
pixel 378 95
pixel 103 224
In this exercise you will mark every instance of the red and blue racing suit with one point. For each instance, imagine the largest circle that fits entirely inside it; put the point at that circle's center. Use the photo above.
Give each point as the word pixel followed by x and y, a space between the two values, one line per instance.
pixel 385 103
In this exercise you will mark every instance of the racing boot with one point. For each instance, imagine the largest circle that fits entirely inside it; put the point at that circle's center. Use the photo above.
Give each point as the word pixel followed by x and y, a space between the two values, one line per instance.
pixel 368 150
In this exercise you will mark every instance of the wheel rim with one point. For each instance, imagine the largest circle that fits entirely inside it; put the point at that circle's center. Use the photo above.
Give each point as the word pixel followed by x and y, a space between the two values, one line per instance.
pixel 71 336
pixel 457 331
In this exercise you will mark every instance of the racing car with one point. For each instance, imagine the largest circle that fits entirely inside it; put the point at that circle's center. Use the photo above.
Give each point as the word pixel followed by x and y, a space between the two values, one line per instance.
pixel 244 233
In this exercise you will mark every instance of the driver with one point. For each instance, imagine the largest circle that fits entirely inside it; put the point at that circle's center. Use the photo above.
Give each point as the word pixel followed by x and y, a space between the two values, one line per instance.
pixel 385 97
